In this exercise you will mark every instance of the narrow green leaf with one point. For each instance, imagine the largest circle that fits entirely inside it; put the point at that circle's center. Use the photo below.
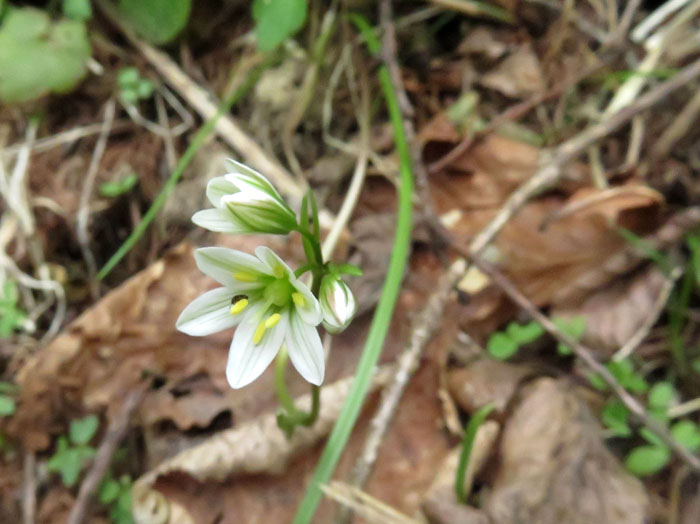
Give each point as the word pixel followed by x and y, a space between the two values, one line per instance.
pixel 470 432
pixel 118 187
pixel 523 334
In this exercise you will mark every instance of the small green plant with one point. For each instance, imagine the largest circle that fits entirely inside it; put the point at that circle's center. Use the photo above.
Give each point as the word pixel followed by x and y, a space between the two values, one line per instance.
pixel 7 401
pixel 40 56
pixel 80 10
pixel 132 86
pixel 116 495
pixel 159 21
pixel 277 20
pixel 119 187
pixel 654 455
pixel 74 451
pixel 503 345
pixel 11 315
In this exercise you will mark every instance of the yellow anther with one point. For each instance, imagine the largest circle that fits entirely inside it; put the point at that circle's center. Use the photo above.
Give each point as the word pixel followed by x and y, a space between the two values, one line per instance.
pixel 239 306
pixel 298 299
pixel 242 276
pixel 259 332
pixel 272 320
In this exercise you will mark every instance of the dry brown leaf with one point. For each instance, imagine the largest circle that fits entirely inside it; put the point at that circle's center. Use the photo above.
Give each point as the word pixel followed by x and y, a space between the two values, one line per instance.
pixel 614 313
pixel 555 467
pixel 256 447
pixel 518 76
pixel 440 504
pixel 485 381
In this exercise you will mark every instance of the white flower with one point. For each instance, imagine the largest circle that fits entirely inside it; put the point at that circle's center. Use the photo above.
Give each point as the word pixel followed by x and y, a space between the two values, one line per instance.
pixel 337 303
pixel 245 202
pixel 269 304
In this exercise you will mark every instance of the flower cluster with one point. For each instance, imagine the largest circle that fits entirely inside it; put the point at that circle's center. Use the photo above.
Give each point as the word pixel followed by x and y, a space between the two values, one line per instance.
pixel 260 294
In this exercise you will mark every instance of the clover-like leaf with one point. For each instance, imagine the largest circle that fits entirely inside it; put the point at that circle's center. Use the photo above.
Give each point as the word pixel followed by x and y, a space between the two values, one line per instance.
pixel 277 20
pixel 38 56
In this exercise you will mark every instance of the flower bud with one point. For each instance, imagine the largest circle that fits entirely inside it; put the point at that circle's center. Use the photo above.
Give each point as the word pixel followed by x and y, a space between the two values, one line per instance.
pixel 337 303
pixel 245 202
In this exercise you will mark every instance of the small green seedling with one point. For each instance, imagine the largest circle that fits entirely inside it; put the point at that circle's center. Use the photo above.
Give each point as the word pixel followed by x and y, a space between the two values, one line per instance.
pixel 7 401
pixel 73 452
pixel 468 438
pixel 503 345
pixel 119 187
pixel 132 86
pixel 11 315
pixel 80 10
pixel 625 374
pixel 116 495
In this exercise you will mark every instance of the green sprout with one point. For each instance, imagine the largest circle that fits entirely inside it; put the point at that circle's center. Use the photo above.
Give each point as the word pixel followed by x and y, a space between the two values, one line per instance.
pixel 73 451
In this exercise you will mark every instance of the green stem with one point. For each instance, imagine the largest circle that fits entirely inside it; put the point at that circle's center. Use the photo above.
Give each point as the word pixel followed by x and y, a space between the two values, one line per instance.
pixel 382 316
pixel 198 141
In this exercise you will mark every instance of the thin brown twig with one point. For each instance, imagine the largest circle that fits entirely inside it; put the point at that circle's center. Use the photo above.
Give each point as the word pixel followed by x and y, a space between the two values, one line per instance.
pixel 86 193
pixel 115 433
pixel 620 33
pixel 586 355
pixel 29 488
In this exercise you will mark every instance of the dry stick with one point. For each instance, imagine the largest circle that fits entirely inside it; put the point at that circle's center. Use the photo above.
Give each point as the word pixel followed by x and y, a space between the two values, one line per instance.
pixel 656 309
pixel 620 33
pixel 205 104
pixel 115 433
pixel 370 509
pixel 63 138
pixel 84 209
pixel 584 354
pixel 29 489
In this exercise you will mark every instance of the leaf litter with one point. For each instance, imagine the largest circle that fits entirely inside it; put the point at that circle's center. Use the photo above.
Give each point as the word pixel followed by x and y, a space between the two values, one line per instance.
pixel 207 453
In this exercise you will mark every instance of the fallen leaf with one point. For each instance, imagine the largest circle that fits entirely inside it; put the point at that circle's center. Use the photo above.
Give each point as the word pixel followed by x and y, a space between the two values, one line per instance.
pixel 555 467
pixel 519 75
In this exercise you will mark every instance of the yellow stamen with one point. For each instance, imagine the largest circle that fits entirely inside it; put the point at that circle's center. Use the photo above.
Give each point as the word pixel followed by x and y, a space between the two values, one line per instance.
pixel 242 276
pixel 272 320
pixel 259 332
pixel 239 306
pixel 298 299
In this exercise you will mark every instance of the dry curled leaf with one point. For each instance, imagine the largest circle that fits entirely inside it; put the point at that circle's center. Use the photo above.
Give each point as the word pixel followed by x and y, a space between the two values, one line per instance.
pixel 255 447
pixel 518 76
pixel 556 468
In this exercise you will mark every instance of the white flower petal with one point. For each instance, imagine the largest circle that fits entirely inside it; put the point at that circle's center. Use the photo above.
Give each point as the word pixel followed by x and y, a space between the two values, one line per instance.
pixel 208 314
pixel 222 264
pixel 246 178
pixel 275 265
pixel 219 220
pixel 310 311
pixel 219 187
pixel 305 349
pixel 247 360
